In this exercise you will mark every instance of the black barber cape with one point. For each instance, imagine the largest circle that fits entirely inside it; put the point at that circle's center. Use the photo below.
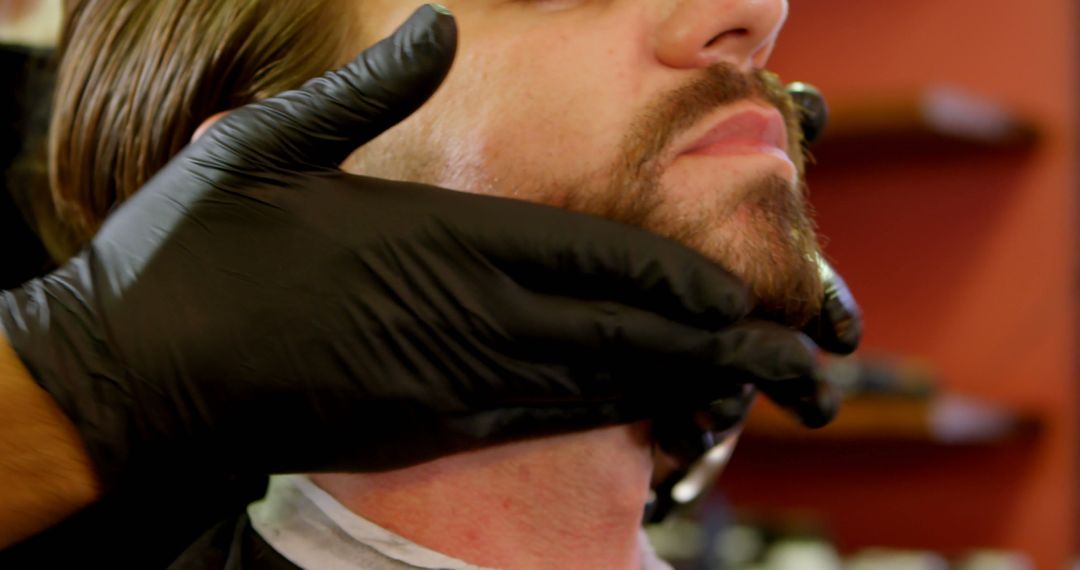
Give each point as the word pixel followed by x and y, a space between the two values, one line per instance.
pixel 232 545
pixel 145 529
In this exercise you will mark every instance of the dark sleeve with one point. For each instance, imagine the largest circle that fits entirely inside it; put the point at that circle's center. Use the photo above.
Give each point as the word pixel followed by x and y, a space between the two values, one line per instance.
pixel 144 528
pixel 232 545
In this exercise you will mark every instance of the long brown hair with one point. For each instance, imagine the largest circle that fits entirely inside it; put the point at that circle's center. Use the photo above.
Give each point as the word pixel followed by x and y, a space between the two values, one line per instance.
pixel 138 76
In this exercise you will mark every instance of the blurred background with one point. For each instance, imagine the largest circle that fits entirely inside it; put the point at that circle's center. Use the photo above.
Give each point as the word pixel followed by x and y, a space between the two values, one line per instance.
pixel 946 188
pixel 30 22
pixel 28 30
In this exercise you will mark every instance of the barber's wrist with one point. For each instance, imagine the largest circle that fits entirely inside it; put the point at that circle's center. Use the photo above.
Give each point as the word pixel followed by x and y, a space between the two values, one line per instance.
pixel 45 471
pixel 52 325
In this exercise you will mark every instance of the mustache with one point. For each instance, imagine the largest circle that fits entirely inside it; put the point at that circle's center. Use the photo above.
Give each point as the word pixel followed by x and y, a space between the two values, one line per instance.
pixel 717 86
pixel 633 195
pixel 770 248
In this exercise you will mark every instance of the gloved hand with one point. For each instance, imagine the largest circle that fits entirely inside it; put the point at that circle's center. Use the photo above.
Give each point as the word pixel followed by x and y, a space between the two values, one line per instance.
pixel 685 436
pixel 837 329
pixel 255 309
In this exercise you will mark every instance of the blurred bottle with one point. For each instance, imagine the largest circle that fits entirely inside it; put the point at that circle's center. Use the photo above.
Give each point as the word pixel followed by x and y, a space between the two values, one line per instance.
pixel 887 559
pixel 740 547
pixel 883 375
pixel 995 560
pixel 802 554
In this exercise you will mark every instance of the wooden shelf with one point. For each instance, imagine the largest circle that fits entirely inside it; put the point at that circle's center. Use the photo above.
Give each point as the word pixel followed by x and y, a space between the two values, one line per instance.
pixel 946 420
pixel 932 121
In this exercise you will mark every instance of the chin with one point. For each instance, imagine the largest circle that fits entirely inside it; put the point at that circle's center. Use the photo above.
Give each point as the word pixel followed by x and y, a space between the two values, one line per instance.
pixel 777 261
pixel 696 179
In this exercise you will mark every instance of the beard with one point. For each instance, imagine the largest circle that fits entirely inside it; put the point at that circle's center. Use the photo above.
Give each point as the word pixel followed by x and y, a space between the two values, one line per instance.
pixel 761 231
pixel 763 234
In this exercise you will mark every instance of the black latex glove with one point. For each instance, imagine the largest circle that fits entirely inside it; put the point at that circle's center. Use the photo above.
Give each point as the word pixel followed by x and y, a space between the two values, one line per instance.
pixel 685 435
pixel 838 327
pixel 255 309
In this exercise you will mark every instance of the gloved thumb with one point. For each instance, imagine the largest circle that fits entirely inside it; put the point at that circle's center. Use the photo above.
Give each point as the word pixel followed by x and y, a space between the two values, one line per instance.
pixel 839 326
pixel 322 122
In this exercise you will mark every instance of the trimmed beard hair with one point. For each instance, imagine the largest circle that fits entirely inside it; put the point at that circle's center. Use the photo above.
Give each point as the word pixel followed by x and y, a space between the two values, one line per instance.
pixel 762 231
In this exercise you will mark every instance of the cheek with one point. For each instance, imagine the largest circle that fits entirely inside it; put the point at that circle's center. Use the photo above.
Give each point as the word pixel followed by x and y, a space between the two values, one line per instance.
pixel 516 114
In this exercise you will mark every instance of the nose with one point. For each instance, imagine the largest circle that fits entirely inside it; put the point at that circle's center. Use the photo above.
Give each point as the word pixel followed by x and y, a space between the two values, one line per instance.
pixel 702 33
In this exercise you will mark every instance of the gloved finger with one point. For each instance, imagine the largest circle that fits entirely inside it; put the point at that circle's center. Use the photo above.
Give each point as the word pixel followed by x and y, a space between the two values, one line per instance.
pixel 813 110
pixel 324 121
pixel 838 327
pixel 478 425
pixel 686 435
pixel 676 366
pixel 682 436
pixel 783 365
pixel 726 413
pixel 647 355
pixel 587 257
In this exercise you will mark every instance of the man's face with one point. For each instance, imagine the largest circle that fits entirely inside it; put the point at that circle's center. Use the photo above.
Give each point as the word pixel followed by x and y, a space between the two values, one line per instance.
pixel 647 111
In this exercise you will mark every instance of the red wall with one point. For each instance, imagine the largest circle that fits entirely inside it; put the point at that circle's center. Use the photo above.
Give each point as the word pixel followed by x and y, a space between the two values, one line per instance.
pixel 968 261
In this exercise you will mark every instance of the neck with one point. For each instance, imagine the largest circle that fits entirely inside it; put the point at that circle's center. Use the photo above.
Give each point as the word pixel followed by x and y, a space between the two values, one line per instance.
pixel 571 501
